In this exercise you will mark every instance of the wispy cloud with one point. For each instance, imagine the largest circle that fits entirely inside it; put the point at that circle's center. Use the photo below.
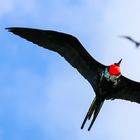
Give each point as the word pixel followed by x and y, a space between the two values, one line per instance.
pixel 43 94
pixel 14 7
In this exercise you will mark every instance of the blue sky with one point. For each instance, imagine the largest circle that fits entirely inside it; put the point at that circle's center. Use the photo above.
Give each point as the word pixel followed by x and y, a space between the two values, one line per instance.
pixel 41 95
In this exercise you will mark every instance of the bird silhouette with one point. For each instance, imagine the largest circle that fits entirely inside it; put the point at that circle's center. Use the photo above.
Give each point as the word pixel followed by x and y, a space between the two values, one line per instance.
pixel 106 81
pixel 132 40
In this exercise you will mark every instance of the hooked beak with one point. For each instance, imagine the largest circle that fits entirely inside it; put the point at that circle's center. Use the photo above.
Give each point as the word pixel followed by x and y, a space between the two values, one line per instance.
pixel 119 62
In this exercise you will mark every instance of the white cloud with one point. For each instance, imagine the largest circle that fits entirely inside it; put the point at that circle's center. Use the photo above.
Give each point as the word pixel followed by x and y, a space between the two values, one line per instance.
pixel 16 7
pixel 68 95
pixel 117 18
pixel 121 18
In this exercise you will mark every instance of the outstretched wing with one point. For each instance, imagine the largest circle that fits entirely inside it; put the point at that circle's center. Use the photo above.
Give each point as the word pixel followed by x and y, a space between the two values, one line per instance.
pixel 129 38
pixel 127 90
pixel 67 46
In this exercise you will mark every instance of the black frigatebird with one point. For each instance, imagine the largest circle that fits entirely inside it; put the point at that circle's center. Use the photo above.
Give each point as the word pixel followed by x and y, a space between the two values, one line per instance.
pixel 106 81
pixel 132 40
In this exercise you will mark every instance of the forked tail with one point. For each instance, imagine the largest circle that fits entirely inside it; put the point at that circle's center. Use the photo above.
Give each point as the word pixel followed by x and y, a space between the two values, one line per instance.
pixel 94 108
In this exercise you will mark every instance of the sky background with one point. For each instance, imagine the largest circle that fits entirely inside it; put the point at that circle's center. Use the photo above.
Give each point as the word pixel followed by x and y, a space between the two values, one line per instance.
pixel 41 96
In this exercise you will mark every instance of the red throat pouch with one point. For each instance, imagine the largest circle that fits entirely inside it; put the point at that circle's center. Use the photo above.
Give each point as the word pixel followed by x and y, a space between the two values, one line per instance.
pixel 114 69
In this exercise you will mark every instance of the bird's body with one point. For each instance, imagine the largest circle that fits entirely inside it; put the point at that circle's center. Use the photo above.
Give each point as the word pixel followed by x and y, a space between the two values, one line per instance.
pixel 106 81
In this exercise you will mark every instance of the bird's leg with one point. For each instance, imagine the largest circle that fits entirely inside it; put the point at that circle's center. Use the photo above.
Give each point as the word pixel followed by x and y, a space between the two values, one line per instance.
pixel 97 110
pixel 90 112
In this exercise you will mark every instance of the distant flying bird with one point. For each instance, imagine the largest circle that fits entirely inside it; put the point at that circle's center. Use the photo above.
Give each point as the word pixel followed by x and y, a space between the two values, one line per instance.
pixel 132 40
pixel 106 81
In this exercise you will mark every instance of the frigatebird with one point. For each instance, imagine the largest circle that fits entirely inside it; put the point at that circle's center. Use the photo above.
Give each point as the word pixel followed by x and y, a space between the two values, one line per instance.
pixel 106 81
pixel 137 44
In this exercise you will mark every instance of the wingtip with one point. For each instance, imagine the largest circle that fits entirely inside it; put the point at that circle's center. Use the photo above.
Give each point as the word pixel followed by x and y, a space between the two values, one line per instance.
pixel 121 36
pixel 9 29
